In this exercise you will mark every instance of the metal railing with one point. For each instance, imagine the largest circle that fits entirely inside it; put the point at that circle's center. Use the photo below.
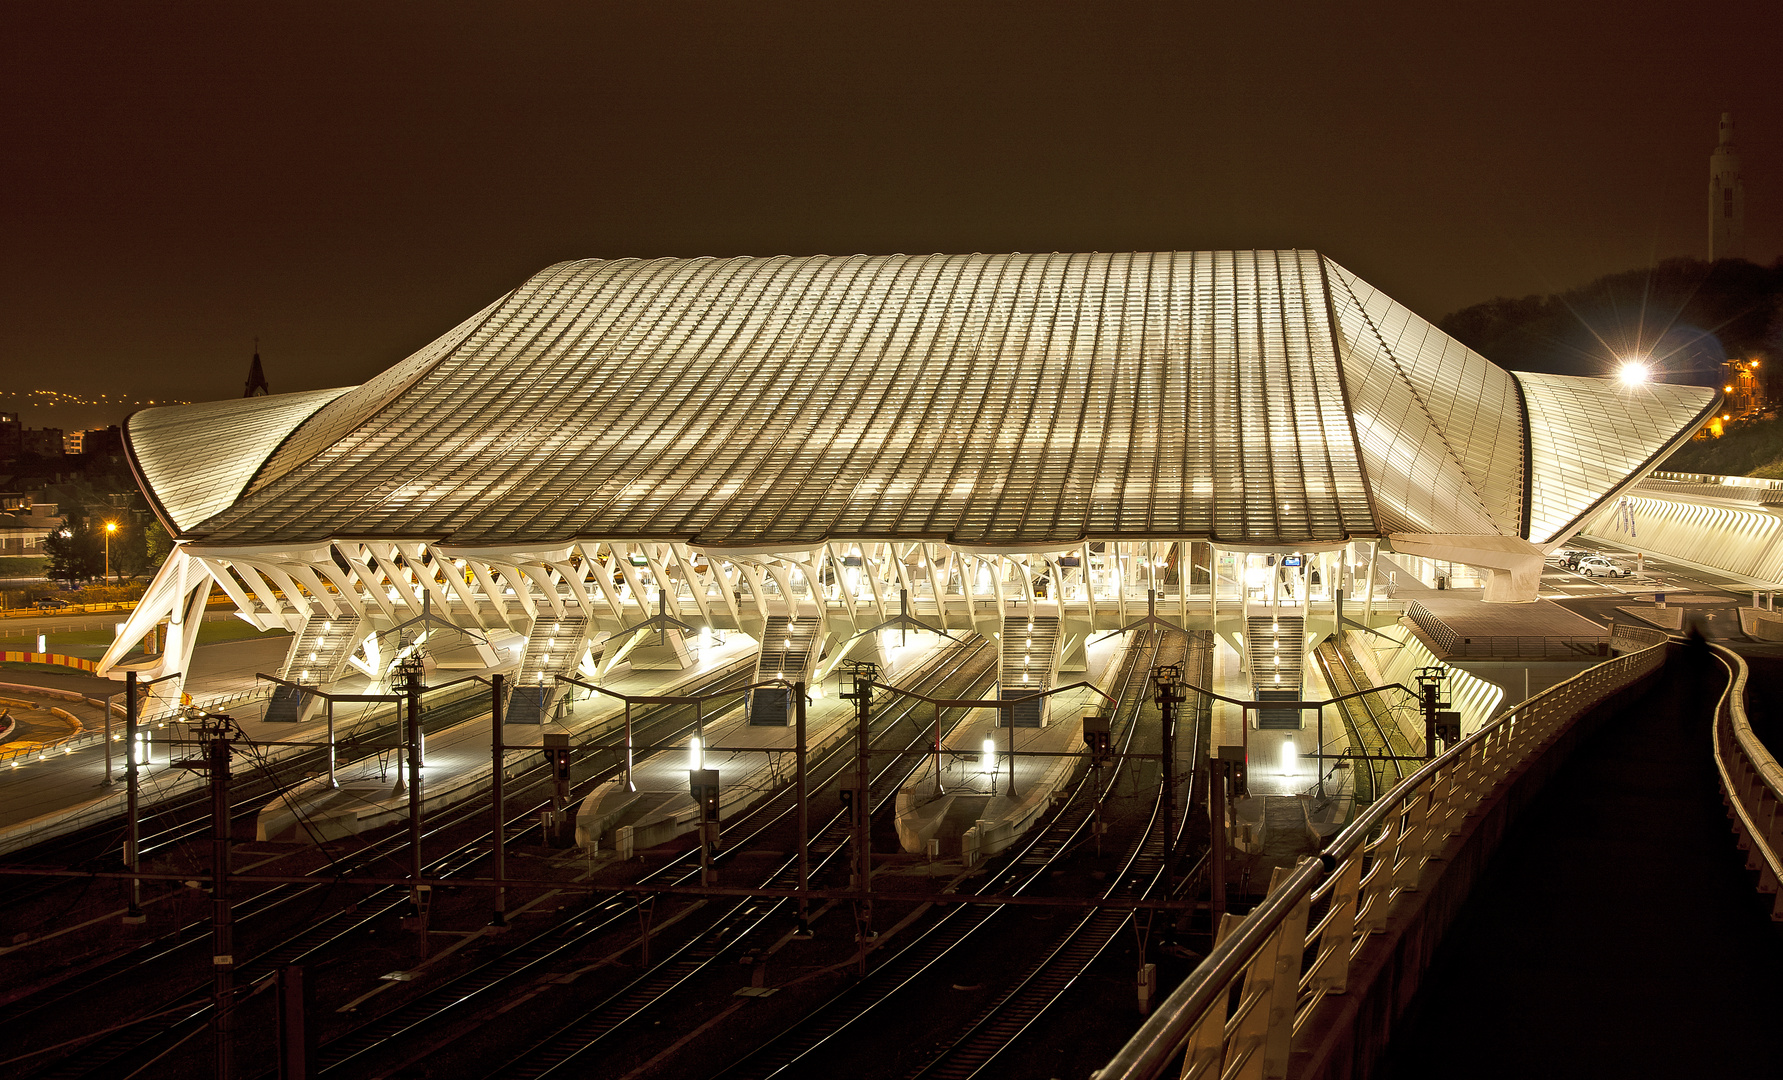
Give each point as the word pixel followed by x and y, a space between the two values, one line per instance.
pixel 1441 634
pixel 89 736
pixel 1530 647
pixel 1751 783
pixel 1236 1014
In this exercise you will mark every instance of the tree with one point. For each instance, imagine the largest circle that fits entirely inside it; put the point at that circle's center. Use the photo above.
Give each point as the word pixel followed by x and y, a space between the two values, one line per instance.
pixel 129 547
pixel 77 549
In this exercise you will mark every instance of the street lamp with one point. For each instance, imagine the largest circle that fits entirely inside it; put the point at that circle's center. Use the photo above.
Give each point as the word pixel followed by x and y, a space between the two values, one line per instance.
pixel 110 527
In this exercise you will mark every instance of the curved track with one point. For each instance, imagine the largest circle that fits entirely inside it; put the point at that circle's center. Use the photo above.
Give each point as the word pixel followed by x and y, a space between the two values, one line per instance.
pixel 804 1046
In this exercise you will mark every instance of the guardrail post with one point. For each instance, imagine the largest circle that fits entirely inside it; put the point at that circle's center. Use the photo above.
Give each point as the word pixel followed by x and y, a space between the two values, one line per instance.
pixel 1284 990
pixel 1408 853
pixel 1337 940
pixel 1244 1050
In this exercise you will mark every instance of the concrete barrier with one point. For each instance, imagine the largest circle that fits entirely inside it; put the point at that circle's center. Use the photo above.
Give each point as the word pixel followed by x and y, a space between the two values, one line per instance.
pixel 1761 625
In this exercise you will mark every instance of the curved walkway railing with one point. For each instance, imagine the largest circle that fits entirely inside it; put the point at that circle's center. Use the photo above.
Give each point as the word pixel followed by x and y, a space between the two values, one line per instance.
pixel 1751 783
pixel 1236 1013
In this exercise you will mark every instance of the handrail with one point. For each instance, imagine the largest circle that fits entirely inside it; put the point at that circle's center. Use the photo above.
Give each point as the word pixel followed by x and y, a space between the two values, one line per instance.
pixel 1751 781
pixel 1377 857
pixel 1441 633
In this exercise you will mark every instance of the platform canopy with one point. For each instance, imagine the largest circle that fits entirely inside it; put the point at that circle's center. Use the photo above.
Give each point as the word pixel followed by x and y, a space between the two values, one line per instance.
pixel 1003 402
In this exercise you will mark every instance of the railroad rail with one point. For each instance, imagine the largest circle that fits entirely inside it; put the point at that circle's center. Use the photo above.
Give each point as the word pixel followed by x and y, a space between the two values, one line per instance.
pixel 563 1052
pixel 193 1006
pixel 977 1051
pixel 795 1047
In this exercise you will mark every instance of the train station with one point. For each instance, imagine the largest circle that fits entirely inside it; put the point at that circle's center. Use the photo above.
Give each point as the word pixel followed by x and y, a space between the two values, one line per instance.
pixel 622 461
pixel 939 530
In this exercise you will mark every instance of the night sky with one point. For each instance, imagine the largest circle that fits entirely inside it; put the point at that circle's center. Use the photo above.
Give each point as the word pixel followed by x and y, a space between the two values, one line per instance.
pixel 348 181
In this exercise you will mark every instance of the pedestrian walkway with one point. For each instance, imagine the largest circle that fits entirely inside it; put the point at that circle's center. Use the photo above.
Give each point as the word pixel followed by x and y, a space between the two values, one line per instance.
pixel 1616 933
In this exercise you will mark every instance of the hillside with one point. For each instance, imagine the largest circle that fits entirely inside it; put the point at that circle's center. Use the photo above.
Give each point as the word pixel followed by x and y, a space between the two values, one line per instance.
pixel 1752 449
pixel 1686 314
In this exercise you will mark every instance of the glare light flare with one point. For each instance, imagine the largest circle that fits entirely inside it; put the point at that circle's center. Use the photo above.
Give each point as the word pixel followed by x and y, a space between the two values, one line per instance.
pixel 1634 372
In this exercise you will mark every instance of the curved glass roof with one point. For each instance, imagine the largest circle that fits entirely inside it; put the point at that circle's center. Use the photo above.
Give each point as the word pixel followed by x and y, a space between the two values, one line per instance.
pixel 1011 401
pixel 196 459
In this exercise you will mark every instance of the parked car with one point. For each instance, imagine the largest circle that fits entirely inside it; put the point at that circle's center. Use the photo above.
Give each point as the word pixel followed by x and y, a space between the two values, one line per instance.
pixel 1569 557
pixel 1598 566
pixel 49 603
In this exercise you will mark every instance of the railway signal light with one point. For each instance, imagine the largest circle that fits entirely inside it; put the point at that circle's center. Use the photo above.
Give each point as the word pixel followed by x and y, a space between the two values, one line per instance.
pixel 1096 735
pixel 558 753
pixel 703 783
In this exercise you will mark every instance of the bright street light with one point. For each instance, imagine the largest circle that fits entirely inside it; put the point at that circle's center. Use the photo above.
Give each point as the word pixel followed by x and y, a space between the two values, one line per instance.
pixel 1634 372
pixel 110 527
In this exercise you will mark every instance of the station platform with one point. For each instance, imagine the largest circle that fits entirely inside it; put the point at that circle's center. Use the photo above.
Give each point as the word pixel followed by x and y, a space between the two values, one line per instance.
pixel 971 811
pixel 456 762
pixel 752 762
pixel 52 794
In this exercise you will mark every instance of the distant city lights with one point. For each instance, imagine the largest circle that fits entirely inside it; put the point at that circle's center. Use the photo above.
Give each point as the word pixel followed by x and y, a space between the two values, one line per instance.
pixel 50 398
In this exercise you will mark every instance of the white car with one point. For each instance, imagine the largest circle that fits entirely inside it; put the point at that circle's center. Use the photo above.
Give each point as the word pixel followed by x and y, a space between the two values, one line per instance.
pixel 1598 566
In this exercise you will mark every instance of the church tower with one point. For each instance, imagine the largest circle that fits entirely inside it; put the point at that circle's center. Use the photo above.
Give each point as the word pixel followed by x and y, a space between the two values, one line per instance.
pixel 256 375
pixel 1727 198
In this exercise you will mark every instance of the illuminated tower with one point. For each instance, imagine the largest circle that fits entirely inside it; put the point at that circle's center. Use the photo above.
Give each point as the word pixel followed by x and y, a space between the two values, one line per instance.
pixel 1727 198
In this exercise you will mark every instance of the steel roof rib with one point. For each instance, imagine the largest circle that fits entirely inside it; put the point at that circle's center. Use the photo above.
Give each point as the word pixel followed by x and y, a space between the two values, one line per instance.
pixel 619 368
pixel 965 408
pixel 527 515
pixel 925 421
pixel 719 422
pixel 1008 401
pixel 695 390
pixel 776 477
pixel 739 329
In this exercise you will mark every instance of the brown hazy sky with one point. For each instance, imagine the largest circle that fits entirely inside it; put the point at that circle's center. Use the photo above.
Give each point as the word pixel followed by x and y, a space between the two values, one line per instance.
pixel 347 181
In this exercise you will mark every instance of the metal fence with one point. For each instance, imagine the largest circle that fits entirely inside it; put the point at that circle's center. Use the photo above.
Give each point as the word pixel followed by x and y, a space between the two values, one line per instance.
pixel 1440 633
pixel 1530 647
pixel 90 736
pixel 1751 783
pixel 1236 1014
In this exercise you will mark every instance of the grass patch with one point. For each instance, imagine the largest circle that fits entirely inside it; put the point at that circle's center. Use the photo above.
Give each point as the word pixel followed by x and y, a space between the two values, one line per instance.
pixel 73 642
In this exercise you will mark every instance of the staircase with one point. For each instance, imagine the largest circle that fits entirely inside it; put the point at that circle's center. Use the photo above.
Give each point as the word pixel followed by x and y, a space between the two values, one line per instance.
pixel 318 656
pixel 1275 648
pixel 787 650
pixel 1030 655
pixel 553 648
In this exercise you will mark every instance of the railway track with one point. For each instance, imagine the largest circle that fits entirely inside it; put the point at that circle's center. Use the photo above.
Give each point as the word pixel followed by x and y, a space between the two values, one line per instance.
pixel 977 1051
pixel 151 1039
pixel 186 817
pixel 566 1051
pixel 798 1048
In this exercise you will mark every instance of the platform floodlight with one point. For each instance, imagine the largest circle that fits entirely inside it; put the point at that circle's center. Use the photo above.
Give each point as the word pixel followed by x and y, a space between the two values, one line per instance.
pixel 1634 372
pixel 696 754
pixel 987 756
